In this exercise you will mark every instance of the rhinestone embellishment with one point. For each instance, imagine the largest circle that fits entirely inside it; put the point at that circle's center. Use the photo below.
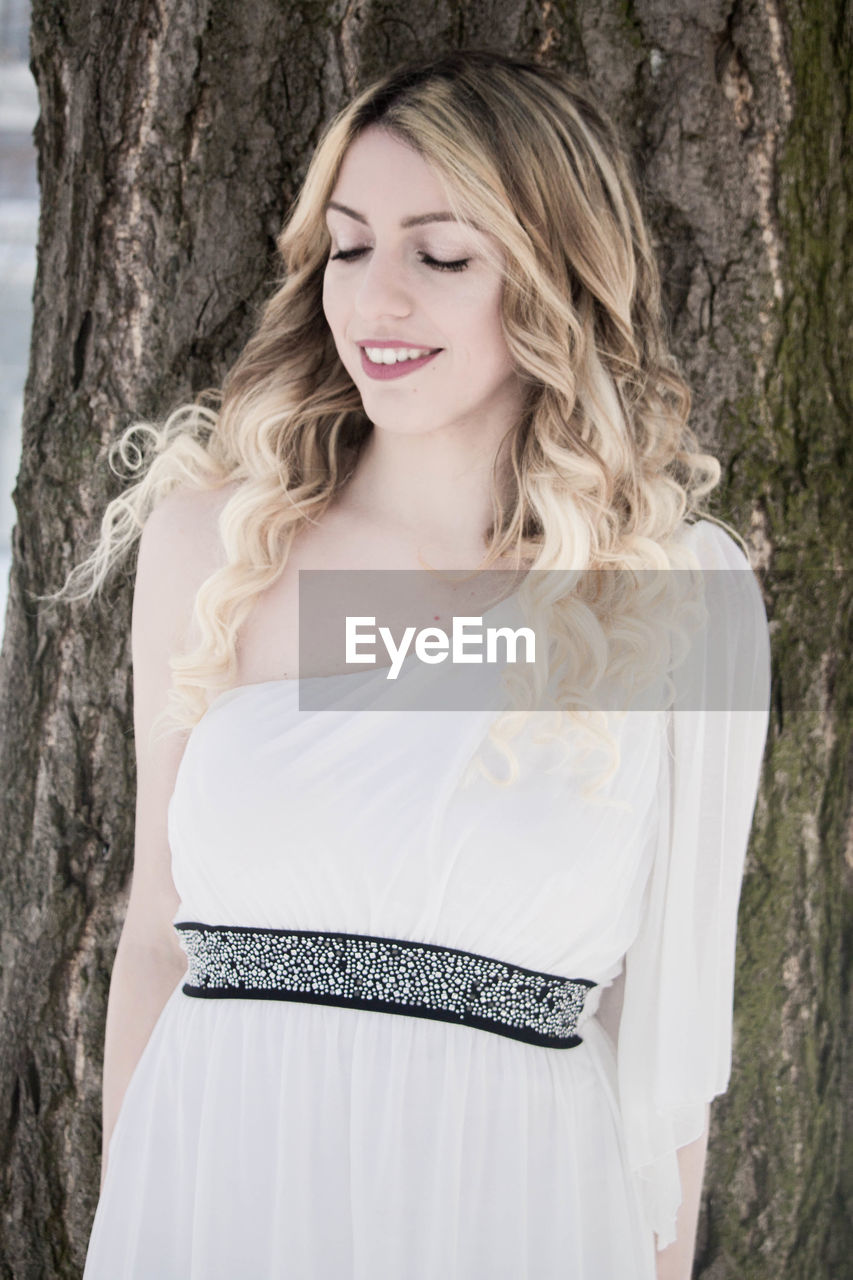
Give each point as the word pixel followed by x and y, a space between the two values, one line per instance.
pixel 393 975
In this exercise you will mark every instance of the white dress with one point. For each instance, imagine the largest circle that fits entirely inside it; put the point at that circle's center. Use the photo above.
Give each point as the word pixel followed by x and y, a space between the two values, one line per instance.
pixel 260 1138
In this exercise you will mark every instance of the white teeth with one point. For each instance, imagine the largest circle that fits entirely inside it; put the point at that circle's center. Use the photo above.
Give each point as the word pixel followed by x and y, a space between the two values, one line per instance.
pixel 392 355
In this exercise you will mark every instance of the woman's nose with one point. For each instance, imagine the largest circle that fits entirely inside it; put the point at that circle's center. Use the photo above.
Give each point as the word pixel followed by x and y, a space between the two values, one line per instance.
pixel 382 288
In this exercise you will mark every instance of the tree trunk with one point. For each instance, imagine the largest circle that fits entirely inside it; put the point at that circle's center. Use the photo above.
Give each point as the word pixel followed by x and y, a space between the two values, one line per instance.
pixel 171 142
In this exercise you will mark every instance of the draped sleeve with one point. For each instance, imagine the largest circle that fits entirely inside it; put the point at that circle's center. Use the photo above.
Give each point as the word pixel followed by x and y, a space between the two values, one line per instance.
pixel 675 1026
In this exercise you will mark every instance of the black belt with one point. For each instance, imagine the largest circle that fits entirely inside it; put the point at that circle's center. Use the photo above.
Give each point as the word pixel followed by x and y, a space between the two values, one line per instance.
pixel 391 975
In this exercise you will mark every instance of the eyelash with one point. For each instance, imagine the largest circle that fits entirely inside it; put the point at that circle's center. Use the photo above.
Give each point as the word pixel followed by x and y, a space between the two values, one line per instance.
pixel 347 255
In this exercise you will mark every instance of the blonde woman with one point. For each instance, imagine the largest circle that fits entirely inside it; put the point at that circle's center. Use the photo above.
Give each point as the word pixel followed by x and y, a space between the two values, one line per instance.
pixel 516 1081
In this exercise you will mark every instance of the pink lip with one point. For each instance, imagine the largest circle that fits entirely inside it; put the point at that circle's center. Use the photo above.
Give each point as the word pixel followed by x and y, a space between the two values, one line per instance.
pixel 383 372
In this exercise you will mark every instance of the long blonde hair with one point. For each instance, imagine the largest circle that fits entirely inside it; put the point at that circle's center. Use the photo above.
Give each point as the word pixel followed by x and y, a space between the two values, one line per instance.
pixel 603 466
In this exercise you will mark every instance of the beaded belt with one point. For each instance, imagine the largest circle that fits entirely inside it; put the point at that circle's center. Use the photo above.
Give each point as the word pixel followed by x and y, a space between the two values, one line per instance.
pixel 392 975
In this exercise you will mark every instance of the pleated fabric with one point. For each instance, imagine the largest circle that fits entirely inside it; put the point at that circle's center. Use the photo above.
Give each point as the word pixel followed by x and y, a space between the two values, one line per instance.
pixel 259 1138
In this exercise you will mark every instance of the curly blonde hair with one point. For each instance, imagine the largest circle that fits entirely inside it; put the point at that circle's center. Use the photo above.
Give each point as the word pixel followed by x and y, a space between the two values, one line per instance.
pixel 603 467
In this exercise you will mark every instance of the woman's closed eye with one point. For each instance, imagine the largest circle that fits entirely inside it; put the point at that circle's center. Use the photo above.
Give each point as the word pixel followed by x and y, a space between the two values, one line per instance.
pixel 348 255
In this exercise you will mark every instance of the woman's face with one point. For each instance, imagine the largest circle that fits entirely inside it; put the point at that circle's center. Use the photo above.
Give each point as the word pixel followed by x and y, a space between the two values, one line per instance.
pixel 388 292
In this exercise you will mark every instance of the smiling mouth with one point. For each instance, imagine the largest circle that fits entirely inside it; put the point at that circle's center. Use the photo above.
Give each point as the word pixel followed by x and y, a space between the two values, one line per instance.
pixel 397 356
pixel 382 370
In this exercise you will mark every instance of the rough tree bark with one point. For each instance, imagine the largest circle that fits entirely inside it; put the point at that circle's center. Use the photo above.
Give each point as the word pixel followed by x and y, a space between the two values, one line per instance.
pixel 172 138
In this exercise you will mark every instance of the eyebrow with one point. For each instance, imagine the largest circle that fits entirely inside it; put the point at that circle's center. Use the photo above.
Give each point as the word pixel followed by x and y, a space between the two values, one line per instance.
pixel 415 221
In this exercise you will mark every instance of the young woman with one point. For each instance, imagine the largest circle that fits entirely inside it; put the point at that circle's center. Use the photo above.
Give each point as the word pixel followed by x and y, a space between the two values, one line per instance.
pixel 343 895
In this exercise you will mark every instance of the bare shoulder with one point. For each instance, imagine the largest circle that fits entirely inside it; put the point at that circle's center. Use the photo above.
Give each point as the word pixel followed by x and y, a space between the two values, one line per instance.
pixel 179 548
pixel 184 525
pixel 180 544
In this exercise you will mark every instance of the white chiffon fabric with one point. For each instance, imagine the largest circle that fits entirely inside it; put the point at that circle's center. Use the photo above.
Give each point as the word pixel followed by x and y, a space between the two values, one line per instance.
pixel 259 1138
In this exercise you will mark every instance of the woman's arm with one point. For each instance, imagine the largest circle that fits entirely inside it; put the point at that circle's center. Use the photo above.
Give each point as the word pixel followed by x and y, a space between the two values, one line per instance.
pixel 142 979
pixel 675 1262
pixel 177 551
